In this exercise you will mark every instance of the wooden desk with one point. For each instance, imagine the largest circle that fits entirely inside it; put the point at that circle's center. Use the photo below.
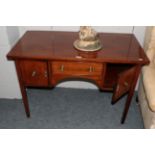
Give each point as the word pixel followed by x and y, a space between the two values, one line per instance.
pixel 44 59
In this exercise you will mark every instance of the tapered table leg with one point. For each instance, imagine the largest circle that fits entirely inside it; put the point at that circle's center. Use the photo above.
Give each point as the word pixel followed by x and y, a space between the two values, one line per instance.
pixel 130 95
pixel 25 101
pixel 23 89
pixel 127 105
pixel 137 99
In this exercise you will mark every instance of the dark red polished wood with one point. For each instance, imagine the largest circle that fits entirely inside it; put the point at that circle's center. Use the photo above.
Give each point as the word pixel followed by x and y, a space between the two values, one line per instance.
pixel 23 89
pixel 117 48
pixel 45 58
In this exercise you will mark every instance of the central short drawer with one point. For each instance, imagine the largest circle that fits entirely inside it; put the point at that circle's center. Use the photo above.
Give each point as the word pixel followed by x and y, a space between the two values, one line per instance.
pixel 77 68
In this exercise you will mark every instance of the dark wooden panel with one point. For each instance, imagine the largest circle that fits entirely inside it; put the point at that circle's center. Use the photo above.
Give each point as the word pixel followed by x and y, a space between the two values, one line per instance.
pixel 112 73
pixel 34 73
pixel 124 83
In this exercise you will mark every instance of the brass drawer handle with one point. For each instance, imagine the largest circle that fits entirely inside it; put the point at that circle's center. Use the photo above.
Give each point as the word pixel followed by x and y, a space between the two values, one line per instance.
pixel 34 73
pixel 62 68
pixel 117 89
pixel 45 73
pixel 91 69
pixel 126 84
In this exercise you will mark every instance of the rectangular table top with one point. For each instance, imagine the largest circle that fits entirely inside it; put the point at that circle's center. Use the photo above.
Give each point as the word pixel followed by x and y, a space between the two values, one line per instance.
pixel 52 45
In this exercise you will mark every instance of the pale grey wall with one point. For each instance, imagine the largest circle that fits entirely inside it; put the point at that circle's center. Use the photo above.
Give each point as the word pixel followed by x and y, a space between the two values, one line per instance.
pixel 3 36
pixel 23 29
pixel 9 87
pixel 13 34
pixel 138 30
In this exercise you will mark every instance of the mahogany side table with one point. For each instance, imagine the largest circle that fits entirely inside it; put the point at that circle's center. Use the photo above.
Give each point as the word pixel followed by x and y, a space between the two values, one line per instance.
pixel 45 58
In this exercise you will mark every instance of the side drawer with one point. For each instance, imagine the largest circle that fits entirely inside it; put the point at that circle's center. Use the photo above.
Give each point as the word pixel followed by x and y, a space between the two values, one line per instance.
pixel 34 73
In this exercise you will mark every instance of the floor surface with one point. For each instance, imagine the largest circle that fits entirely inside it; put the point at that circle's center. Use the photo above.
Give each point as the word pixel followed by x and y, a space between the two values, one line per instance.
pixel 63 108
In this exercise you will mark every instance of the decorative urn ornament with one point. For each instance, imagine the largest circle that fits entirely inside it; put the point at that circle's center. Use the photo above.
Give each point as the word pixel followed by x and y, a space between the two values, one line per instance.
pixel 88 40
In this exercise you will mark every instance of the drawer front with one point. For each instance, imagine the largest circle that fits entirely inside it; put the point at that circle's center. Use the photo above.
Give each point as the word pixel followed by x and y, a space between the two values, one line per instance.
pixel 77 68
pixel 93 72
pixel 34 73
